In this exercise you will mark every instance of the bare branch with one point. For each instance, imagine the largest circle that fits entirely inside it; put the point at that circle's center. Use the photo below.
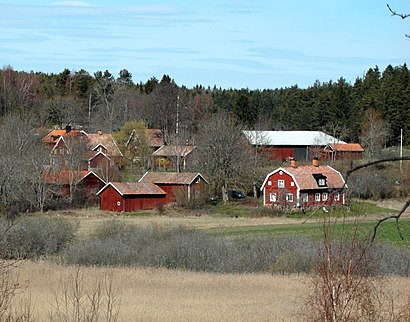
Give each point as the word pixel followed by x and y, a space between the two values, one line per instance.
pixel 406 205
pixel 394 13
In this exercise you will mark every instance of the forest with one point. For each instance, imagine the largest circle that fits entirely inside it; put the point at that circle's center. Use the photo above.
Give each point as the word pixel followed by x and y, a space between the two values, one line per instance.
pixel 105 101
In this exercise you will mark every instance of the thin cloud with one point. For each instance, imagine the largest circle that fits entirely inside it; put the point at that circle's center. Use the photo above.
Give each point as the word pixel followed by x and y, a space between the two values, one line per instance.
pixel 71 4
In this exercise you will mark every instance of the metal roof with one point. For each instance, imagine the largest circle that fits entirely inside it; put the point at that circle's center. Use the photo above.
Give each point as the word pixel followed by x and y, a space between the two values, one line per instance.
pixel 134 188
pixel 278 138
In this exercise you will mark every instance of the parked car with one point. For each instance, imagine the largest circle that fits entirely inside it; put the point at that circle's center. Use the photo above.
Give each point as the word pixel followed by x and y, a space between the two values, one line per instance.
pixel 236 194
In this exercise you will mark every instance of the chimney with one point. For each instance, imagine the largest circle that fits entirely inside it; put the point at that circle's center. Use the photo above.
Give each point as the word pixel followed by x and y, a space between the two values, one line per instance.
pixel 315 162
pixel 293 163
pixel 100 132
pixel 68 129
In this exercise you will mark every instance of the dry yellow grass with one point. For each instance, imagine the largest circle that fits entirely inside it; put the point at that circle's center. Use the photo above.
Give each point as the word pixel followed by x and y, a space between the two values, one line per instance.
pixel 168 295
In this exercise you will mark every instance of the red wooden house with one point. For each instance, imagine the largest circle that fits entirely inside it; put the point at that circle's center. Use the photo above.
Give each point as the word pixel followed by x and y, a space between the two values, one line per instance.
pixel 89 185
pixel 303 186
pixel 130 196
pixel 192 186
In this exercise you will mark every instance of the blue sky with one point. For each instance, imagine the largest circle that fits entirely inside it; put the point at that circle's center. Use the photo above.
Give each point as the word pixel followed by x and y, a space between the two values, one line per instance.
pixel 230 44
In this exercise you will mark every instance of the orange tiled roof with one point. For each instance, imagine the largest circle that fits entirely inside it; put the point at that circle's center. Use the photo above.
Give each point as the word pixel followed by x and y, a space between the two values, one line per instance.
pixel 347 147
pixel 170 177
pixel 173 150
pixel 305 180
pixel 135 188
pixel 54 135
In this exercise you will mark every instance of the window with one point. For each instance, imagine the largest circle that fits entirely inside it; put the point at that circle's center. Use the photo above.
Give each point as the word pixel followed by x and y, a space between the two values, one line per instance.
pixel 272 197
pixel 317 196
pixel 337 196
pixel 269 183
pixel 324 196
pixel 281 183
pixel 305 197
pixel 292 184
pixel 289 197
pixel 322 182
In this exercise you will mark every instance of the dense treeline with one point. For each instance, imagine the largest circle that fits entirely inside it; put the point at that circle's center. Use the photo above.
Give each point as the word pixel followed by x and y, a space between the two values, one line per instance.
pixel 103 101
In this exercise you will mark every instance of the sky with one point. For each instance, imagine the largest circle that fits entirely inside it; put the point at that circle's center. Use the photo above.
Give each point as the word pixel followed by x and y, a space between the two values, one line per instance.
pixel 229 44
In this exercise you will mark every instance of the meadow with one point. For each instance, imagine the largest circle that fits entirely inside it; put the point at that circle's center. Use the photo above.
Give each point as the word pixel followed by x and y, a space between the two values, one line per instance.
pixel 163 289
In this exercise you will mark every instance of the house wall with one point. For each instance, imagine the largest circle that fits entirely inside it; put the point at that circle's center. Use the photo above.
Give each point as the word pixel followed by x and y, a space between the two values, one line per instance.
pixel 271 186
pixel 197 189
pixel 331 198
pixel 111 200
pixel 89 187
pixel 143 202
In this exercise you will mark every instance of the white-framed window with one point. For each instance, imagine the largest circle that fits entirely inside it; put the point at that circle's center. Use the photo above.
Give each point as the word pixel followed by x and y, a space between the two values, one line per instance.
pixel 317 196
pixel 292 184
pixel 337 196
pixel 269 183
pixel 281 183
pixel 289 197
pixel 272 197
pixel 324 196
pixel 322 182
pixel 305 197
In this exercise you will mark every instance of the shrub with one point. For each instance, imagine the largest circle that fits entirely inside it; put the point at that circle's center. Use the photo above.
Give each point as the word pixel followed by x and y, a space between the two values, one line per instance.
pixel 35 237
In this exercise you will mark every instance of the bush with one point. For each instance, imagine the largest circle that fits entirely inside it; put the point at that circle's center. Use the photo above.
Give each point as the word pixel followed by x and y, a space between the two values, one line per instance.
pixel 35 237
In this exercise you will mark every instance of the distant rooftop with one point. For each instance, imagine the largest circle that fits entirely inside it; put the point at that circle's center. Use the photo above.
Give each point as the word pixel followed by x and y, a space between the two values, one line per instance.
pixel 302 138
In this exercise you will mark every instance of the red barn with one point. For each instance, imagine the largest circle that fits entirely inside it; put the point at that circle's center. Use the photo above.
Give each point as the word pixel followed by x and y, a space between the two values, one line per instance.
pixel 347 151
pixel 89 185
pixel 130 196
pixel 303 186
pixel 191 185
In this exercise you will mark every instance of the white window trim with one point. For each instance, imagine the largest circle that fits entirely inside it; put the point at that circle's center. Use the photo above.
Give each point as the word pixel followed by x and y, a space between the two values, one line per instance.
pixel 289 197
pixel 325 196
pixel 317 196
pixel 272 197
pixel 281 183
pixel 305 197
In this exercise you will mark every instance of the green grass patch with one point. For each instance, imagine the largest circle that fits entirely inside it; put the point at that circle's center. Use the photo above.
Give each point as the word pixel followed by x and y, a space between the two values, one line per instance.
pixel 387 231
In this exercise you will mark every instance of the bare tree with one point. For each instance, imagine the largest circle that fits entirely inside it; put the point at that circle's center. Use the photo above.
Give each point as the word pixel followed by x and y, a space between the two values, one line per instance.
pixel 374 135
pixel 223 154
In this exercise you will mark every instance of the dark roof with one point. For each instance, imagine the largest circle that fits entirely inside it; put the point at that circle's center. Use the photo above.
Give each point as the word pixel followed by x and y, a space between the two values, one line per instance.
pixel 134 188
pixel 184 178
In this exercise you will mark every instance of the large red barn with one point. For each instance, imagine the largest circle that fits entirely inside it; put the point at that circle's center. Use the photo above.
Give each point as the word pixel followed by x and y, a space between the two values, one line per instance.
pixel 130 196
pixel 303 186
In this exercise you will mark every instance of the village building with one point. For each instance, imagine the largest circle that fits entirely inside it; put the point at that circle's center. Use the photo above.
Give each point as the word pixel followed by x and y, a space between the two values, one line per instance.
pixel 188 185
pixel 347 151
pixel 285 145
pixel 130 196
pixel 176 157
pixel 304 186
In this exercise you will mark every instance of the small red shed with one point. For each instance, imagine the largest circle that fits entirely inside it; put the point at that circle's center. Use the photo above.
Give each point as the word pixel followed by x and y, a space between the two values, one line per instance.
pixel 192 185
pixel 130 196
pixel 89 185
pixel 303 186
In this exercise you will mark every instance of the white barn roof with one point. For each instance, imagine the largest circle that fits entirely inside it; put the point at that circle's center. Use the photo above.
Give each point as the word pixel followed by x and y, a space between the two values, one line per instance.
pixel 277 138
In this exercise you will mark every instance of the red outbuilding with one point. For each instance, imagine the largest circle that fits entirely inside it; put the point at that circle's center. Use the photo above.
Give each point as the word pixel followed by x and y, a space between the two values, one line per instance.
pixel 130 196
pixel 303 186
pixel 189 185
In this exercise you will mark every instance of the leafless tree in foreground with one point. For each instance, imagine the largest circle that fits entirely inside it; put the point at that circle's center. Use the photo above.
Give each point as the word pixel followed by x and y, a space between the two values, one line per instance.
pixel 405 206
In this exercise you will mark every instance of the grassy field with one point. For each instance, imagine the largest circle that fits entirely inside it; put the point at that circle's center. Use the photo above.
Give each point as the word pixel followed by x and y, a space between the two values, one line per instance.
pixel 149 294
pixel 169 295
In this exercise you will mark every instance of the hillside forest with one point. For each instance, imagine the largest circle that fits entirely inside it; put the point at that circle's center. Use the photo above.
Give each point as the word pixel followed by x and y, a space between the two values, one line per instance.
pixel 106 101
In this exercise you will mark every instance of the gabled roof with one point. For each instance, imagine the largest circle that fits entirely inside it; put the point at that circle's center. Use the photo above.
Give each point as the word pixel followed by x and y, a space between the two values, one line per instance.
pixel 155 138
pixel 54 135
pixel 89 174
pixel 105 140
pixel 278 138
pixel 183 178
pixel 63 177
pixel 347 147
pixel 304 176
pixel 89 155
pixel 173 150
pixel 134 188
